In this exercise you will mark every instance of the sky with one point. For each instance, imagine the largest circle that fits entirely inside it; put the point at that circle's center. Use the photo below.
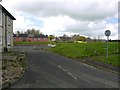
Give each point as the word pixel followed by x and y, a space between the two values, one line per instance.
pixel 89 18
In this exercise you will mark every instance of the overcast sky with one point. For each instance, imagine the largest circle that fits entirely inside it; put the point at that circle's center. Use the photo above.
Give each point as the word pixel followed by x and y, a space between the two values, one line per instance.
pixel 84 17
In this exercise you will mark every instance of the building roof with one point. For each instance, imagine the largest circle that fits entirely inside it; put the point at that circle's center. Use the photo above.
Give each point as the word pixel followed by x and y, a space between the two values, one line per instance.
pixel 40 36
pixel 14 35
pixel 4 10
pixel 65 37
pixel 23 35
pixel 30 35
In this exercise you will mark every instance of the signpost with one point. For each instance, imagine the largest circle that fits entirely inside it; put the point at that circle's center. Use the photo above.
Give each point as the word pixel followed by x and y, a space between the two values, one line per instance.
pixel 107 33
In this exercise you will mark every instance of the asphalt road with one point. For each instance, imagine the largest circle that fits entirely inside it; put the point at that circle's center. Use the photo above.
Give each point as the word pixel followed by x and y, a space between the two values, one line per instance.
pixel 49 70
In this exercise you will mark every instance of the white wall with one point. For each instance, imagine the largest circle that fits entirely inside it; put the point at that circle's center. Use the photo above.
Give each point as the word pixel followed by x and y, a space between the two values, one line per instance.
pixel 0 30
pixel 7 31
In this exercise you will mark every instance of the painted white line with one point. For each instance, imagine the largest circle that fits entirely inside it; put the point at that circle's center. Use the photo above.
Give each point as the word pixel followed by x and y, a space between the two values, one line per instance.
pixel 88 65
pixel 67 72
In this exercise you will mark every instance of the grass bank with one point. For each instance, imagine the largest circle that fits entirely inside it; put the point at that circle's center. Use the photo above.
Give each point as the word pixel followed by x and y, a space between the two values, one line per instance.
pixel 96 51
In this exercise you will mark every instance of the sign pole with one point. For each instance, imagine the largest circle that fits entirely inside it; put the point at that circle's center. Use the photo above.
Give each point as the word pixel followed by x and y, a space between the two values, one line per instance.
pixel 107 33
pixel 107 47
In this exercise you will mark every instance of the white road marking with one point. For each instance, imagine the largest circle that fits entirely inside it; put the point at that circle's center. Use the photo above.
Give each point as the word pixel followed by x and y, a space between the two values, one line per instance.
pixel 67 72
pixel 88 65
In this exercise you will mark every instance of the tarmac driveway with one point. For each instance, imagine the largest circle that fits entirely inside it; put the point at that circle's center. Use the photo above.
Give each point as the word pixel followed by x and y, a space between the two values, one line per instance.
pixel 49 70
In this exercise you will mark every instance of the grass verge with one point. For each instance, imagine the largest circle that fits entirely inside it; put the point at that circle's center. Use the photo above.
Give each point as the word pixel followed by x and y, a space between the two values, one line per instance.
pixel 96 51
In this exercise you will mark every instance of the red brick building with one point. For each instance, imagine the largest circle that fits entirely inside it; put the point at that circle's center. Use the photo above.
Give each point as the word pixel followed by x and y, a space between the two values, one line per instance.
pixel 30 38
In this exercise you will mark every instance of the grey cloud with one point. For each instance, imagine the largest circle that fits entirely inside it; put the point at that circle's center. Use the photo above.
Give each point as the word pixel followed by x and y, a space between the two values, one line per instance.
pixel 80 11
pixel 83 29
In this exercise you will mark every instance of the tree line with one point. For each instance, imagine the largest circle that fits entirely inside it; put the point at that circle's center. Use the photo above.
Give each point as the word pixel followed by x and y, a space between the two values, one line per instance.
pixel 37 32
pixel 30 31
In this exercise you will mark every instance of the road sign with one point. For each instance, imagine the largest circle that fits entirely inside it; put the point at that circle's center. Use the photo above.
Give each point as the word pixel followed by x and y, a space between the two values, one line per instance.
pixel 107 32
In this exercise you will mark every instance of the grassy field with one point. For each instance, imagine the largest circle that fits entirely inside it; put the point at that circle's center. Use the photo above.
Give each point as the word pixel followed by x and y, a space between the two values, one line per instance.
pixel 96 51
pixel 30 43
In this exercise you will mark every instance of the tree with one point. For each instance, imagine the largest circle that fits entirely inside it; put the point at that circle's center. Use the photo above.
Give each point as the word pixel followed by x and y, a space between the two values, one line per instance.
pixel 75 37
pixel 64 35
pixel 51 37
pixel 79 38
pixel 21 32
pixel 88 39
pixel 38 32
pixel 27 32
pixel 30 31
pixel 18 32
pixel 33 31
pixel 95 39
pixel 82 38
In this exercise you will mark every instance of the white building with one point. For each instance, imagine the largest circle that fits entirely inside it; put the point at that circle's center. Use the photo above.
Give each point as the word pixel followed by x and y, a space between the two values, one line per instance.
pixel 6 29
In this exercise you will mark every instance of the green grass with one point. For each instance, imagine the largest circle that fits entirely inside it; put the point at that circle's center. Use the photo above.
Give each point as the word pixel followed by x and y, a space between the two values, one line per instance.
pixel 30 43
pixel 22 60
pixel 112 59
pixel 97 51
pixel 33 43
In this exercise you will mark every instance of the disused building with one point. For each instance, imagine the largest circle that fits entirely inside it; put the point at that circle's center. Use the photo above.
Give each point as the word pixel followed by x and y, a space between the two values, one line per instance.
pixel 6 29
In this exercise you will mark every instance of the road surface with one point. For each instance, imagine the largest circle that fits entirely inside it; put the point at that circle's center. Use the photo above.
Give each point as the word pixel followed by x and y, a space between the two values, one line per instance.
pixel 49 70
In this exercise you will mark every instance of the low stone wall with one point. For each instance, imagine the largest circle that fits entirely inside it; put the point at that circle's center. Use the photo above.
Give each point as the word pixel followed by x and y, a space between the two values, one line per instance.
pixel 13 67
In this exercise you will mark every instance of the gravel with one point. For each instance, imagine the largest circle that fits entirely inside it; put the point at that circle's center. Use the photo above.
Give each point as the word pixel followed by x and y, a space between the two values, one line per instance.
pixel 12 69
